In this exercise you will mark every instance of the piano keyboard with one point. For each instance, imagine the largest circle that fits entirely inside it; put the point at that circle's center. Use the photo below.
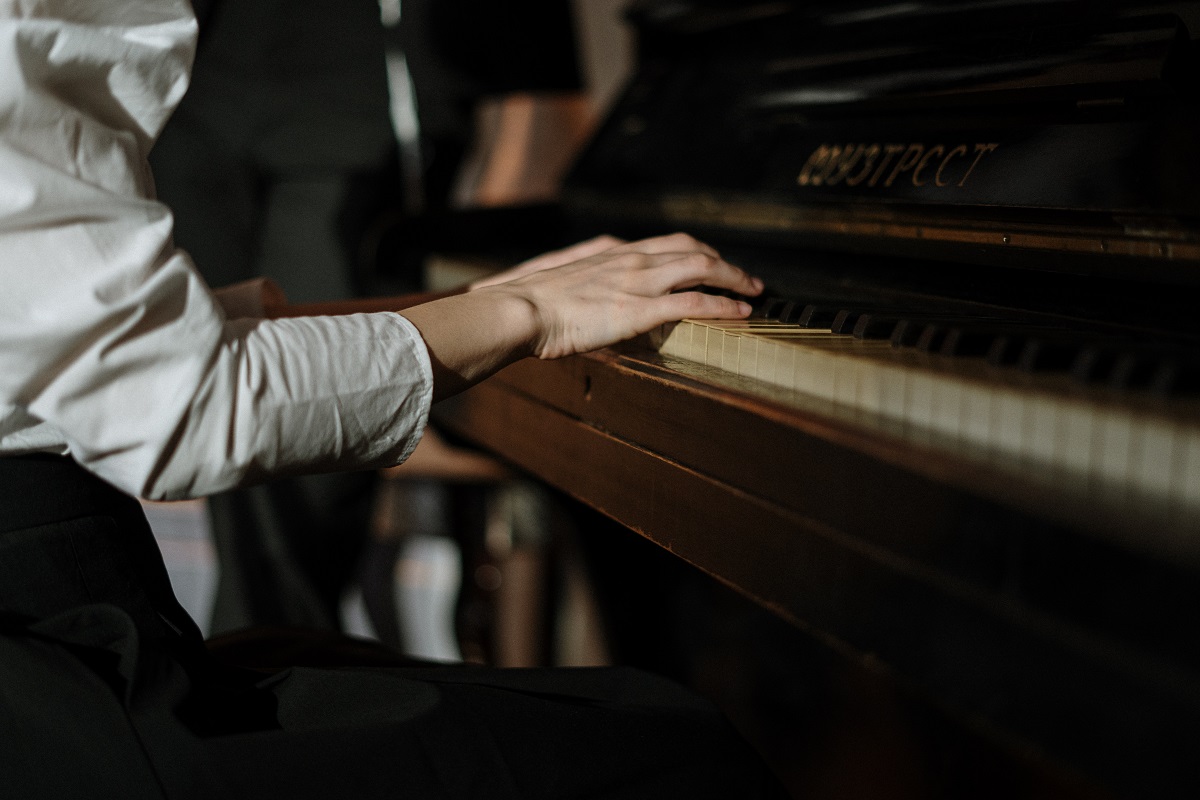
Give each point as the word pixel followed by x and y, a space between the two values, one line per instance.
pixel 1091 436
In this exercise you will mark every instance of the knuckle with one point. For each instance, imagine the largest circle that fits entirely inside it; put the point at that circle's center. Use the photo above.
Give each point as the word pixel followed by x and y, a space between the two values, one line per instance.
pixel 632 260
pixel 700 262
pixel 692 302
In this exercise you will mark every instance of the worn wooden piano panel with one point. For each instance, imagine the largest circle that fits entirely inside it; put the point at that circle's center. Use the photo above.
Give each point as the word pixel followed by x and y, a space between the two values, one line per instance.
pixel 1043 621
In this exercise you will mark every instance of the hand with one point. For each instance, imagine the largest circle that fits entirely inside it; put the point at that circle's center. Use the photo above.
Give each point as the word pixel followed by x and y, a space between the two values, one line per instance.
pixel 613 293
pixel 555 258
pixel 607 292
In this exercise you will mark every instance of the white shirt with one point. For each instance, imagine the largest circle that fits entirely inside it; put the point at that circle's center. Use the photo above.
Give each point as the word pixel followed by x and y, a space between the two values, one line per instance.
pixel 112 349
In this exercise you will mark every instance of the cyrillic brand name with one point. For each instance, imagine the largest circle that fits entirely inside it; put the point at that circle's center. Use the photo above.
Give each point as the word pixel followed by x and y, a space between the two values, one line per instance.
pixel 882 165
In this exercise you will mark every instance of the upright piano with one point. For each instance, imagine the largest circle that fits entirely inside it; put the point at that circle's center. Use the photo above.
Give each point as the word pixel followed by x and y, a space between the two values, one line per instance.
pixel 959 439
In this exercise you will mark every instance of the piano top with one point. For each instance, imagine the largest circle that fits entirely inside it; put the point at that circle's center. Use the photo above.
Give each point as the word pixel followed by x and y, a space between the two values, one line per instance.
pixel 1056 136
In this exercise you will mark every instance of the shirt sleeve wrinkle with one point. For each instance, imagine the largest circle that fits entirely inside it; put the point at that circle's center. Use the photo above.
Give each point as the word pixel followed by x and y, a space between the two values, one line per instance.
pixel 128 74
pixel 108 336
pixel 328 418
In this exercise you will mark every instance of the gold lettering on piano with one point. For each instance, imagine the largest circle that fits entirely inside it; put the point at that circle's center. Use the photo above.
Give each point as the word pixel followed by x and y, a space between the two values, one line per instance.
pixel 907 161
pixel 980 151
pixel 870 154
pixel 961 150
pixel 889 150
pixel 937 151
pixel 858 163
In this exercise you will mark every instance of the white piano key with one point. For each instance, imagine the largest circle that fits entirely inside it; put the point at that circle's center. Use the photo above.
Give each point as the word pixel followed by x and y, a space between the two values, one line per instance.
pixel 918 400
pixel 1155 443
pixel 1111 443
pixel 1039 434
pixel 713 340
pixel 748 361
pixel 813 372
pixel 764 367
pixel 1080 436
pixel 678 342
pixel 976 413
pixel 845 380
pixel 1005 434
pixel 1185 484
pixel 786 366
pixel 730 350
pixel 946 405
pixel 868 387
pixel 699 342
pixel 893 391
pixel 1111 462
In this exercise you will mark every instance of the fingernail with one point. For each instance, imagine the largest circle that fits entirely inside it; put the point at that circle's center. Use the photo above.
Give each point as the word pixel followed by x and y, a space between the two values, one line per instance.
pixel 757 283
pixel 744 308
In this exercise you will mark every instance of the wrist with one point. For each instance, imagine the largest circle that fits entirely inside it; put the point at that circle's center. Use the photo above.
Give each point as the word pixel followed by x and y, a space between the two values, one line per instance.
pixel 517 319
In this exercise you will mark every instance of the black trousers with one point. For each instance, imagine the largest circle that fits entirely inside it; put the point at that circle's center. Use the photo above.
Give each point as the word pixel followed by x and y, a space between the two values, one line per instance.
pixel 106 690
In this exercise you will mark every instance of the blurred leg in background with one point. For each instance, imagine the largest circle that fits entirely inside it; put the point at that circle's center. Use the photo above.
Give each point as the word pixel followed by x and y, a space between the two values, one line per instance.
pixel 326 145
pixel 274 164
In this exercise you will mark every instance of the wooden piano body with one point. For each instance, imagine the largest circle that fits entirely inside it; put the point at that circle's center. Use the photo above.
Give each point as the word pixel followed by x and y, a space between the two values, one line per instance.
pixel 1029 165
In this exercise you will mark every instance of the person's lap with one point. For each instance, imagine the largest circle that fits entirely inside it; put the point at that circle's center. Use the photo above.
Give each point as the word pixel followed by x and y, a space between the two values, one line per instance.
pixel 107 692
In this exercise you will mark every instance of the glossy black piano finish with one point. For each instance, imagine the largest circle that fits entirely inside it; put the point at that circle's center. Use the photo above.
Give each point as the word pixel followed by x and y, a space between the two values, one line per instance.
pixel 982 132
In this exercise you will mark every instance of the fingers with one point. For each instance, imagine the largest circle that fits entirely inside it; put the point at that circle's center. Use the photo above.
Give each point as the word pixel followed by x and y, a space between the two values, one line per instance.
pixel 551 260
pixel 670 272
pixel 672 243
pixel 697 305
pixel 567 255
pixel 685 262
pixel 677 261
pixel 623 290
pixel 586 249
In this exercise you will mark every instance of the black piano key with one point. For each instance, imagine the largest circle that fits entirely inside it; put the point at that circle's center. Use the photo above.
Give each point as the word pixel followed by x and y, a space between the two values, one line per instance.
pixel 1176 376
pixel 1047 355
pixel 845 320
pixel 967 342
pixel 875 326
pixel 906 332
pixel 815 316
pixel 772 306
pixel 1094 364
pixel 1005 350
pixel 1165 377
pixel 1133 371
pixel 791 311
pixel 955 335
pixel 931 338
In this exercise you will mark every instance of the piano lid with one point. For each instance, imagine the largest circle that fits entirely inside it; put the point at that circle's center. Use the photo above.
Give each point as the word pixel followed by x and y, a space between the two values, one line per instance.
pixel 1013 132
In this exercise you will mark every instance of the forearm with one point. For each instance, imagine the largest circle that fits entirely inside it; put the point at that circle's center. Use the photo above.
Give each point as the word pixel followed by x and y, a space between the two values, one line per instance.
pixel 278 308
pixel 470 336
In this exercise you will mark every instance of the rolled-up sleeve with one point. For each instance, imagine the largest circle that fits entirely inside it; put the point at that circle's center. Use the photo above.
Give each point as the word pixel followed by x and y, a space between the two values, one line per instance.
pixel 109 339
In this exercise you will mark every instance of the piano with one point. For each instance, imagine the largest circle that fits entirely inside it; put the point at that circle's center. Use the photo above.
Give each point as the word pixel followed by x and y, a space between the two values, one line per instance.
pixel 959 439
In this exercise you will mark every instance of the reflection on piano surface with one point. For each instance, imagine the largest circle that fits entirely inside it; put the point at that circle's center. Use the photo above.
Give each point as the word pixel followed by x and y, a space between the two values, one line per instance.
pixel 961 437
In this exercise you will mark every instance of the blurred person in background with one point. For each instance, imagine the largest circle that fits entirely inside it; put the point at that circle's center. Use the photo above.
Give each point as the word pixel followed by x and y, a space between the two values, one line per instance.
pixel 291 158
